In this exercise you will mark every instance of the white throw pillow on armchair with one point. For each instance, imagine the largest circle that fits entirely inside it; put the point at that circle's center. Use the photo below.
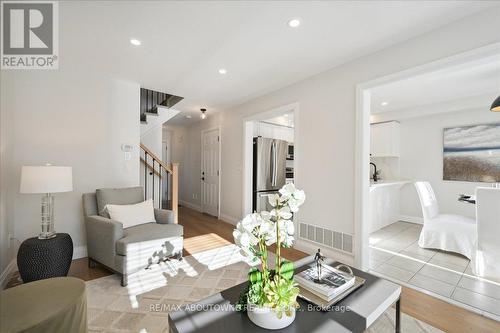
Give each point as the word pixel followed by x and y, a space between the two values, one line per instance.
pixel 131 215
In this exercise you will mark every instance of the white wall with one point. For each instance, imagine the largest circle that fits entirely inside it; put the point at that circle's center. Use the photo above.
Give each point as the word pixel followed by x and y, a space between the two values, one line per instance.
pixel 326 125
pixel 422 159
pixel 68 117
pixel 6 224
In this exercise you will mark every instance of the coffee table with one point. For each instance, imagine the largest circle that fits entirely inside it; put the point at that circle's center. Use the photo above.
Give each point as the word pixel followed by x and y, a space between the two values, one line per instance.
pixel 355 313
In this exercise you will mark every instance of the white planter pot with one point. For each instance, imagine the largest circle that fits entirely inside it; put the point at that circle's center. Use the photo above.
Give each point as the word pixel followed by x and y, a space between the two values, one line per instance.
pixel 268 318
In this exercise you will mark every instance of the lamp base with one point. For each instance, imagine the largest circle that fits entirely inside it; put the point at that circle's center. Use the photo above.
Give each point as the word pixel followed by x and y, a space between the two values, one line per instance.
pixel 47 224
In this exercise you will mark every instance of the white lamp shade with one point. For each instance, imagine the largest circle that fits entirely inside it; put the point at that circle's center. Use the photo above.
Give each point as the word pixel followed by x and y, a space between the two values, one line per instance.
pixel 46 179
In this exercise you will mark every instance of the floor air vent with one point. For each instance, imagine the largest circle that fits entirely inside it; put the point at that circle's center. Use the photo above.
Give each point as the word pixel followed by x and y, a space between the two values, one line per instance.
pixel 333 239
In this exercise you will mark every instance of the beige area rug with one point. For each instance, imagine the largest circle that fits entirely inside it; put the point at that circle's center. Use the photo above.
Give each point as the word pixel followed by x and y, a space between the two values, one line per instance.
pixel 143 306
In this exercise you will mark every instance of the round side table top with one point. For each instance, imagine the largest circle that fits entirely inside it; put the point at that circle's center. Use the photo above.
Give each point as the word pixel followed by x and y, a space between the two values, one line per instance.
pixel 51 305
pixel 49 241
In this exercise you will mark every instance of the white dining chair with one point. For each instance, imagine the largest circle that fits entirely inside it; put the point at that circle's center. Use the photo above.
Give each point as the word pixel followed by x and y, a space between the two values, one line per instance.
pixel 447 232
pixel 486 259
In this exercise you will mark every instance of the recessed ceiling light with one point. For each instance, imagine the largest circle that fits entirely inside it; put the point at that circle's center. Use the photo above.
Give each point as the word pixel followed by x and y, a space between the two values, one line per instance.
pixel 135 42
pixel 294 23
pixel 222 71
pixel 384 103
pixel 188 117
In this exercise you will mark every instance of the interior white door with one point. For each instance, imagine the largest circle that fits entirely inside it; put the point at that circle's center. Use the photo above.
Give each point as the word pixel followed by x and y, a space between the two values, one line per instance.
pixel 210 172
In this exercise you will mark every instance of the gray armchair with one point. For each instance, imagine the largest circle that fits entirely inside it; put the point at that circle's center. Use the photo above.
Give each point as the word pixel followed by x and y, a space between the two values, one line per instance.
pixel 128 250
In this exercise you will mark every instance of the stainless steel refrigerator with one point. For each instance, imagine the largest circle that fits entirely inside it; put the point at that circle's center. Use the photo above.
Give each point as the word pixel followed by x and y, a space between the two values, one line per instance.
pixel 269 170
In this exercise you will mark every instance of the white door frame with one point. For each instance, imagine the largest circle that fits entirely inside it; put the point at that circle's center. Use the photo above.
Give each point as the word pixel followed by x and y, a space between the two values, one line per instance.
pixel 166 143
pixel 248 149
pixel 220 167
pixel 362 149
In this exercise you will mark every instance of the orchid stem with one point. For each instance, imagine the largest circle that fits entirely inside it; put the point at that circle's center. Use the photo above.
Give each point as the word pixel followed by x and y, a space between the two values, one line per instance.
pixel 278 248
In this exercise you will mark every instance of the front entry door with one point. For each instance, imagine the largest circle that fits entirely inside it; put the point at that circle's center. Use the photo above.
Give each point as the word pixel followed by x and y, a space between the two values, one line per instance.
pixel 210 172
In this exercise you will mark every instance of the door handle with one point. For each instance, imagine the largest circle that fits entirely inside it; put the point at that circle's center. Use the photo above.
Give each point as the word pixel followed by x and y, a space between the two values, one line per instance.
pixel 272 163
pixel 275 165
pixel 202 178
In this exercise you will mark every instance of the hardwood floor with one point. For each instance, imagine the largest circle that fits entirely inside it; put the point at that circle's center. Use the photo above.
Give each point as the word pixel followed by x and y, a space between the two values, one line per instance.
pixel 203 232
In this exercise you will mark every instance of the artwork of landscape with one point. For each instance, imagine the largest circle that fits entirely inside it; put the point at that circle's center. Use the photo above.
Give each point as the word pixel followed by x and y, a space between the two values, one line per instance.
pixel 472 153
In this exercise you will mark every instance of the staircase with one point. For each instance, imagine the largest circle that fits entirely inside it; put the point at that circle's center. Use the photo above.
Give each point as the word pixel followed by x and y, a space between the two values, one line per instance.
pixel 152 101
pixel 159 180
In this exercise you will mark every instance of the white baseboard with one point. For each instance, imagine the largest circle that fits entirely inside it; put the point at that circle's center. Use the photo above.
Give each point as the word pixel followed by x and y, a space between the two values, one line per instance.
pixel 79 252
pixel 190 205
pixel 411 219
pixel 229 219
pixel 7 272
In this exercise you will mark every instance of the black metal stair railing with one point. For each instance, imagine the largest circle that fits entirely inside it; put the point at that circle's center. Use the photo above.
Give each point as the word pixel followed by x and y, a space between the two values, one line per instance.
pixel 160 181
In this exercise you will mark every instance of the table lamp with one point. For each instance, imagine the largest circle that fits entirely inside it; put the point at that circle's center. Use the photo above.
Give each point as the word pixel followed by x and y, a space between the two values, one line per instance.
pixel 47 180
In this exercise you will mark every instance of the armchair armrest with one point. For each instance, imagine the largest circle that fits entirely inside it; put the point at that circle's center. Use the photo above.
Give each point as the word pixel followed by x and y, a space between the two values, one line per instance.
pixel 102 234
pixel 164 216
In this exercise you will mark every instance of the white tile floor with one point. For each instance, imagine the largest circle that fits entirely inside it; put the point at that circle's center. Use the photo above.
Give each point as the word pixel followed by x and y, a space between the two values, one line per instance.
pixel 395 254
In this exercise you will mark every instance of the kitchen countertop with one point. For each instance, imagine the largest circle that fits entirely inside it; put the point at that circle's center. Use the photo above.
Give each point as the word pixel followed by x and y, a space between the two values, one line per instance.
pixel 388 182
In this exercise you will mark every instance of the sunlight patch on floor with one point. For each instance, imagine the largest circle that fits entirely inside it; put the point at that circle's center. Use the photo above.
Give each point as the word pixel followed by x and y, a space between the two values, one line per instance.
pixel 158 275
pixel 204 242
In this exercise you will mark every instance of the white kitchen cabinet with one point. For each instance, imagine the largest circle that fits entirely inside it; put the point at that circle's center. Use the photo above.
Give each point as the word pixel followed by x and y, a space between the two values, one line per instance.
pixel 266 130
pixel 384 204
pixel 385 139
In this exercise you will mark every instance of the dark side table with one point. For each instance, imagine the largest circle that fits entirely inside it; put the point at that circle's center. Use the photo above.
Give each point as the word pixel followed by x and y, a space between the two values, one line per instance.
pixel 39 259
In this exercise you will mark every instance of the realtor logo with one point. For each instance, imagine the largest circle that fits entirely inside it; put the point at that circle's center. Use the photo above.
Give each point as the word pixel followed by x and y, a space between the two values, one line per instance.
pixel 29 35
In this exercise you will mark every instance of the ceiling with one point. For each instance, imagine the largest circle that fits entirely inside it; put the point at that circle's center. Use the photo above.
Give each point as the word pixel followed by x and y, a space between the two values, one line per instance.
pixel 184 44
pixel 473 84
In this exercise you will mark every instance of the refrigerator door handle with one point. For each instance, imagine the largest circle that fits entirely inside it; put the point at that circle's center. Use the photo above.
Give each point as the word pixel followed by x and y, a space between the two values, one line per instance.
pixel 273 163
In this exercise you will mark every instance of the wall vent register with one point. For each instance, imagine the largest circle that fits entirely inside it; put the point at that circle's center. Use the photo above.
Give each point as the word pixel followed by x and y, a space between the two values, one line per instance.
pixel 332 239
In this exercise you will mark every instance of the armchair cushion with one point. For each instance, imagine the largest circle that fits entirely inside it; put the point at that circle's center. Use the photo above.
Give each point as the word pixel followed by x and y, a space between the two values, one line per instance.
pixel 132 215
pixel 117 196
pixel 164 216
pixel 149 237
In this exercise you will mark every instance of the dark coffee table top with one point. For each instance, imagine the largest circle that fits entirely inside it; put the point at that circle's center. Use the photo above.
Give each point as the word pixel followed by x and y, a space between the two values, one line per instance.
pixel 353 314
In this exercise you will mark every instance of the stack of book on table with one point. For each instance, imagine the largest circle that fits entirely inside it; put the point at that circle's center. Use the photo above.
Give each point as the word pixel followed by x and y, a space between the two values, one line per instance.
pixel 333 282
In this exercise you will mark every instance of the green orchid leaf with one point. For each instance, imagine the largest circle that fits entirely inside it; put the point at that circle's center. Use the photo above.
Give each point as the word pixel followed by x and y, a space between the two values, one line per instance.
pixel 286 269
pixel 254 275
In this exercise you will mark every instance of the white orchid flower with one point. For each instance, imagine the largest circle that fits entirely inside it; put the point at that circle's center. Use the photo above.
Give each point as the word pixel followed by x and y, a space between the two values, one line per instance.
pixel 288 190
pixel 265 228
pixel 289 227
pixel 296 201
pixel 281 213
pixel 288 241
pixel 251 221
pixel 293 197
pixel 285 213
pixel 273 199
pixel 271 238
pixel 266 216
pixel 286 227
